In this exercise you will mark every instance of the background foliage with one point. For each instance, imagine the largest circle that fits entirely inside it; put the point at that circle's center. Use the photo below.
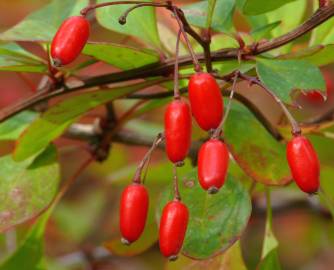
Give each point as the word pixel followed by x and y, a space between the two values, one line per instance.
pixel 259 220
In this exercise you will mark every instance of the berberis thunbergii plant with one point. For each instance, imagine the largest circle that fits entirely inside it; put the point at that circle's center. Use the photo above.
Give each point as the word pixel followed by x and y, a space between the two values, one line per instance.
pixel 243 110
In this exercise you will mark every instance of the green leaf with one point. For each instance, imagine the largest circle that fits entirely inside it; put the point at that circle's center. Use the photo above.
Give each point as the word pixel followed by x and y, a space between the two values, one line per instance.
pixel 229 260
pixel 282 76
pixel 141 22
pixel 287 15
pixel 271 261
pixel 269 256
pixel 318 55
pixel 255 7
pixel 27 187
pixel 52 123
pixel 324 33
pixel 197 14
pixel 211 10
pixel 15 58
pixel 264 31
pixel 121 56
pixel 30 253
pixel 258 153
pixel 42 24
pixel 216 221
pixel 13 127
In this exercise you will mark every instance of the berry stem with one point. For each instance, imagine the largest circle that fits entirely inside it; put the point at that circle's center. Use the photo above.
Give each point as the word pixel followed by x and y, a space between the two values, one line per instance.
pixel 176 67
pixel 197 65
pixel 295 128
pixel 177 195
pixel 123 17
pixel 156 142
pixel 89 8
pixel 219 129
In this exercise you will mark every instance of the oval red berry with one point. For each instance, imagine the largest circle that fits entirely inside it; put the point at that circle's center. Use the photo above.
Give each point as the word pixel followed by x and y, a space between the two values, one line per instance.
pixel 69 40
pixel 133 212
pixel 213 160
pixel 173 227
pixel 177 130
pixel 304 164
pixel 205 100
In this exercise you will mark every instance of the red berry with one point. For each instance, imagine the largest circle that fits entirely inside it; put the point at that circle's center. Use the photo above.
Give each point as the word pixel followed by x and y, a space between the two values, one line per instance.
pixel 304 164
pixel 213 159
pixel 173 227
pixel 177 130
pixel 133 212
pixel 206 100
pixel 69 40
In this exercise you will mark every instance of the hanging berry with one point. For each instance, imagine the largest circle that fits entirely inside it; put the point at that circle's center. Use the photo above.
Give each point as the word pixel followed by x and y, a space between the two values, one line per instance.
pixel 304 164
pixel 69 40
pixel 177 130
pixel 133 212
pixel 173 227
pixel 213 159
pixel 206 100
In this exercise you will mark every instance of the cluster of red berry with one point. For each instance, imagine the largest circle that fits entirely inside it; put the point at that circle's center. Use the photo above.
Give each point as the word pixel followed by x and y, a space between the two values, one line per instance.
pixel 206 105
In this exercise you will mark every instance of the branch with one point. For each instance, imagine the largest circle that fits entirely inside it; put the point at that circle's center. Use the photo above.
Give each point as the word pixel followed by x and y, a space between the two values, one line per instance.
pixel 166 68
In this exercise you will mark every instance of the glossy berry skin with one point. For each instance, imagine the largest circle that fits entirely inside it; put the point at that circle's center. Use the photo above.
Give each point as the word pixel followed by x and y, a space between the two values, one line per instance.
pixel 173 227
pixel 304 164
pixel 69 40
pixel 213 160
pixel 177 130
pixel 205 100
pixel 133 212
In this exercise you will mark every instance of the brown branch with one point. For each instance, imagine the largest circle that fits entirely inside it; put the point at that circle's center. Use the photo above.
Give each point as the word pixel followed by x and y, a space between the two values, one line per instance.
pixel 166 68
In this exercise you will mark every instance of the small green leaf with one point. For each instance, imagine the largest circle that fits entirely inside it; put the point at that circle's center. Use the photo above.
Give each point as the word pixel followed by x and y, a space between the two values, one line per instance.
pixel 282 76
pixel 15 58
pixel 255 7
pixel 27 187
pixel 121 56
pixel 271 261
pixel 323 34
pixel 318 55
pixel 229 260
pixel 269 256
pixel 215 221
pixel 258 154
pixel 197 14
pixel 42 24
pixel 140 23
pixel 13 127
pixel 30 253
pixel 52 123
pixel 264 31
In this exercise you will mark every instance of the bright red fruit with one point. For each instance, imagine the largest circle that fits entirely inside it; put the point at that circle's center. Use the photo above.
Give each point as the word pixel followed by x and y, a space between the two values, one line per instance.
pixel 133 212
pixel 206 100
pixel 177 130
pixel 173 227
pixel 213 159
pixel 304 164
pixel 69 40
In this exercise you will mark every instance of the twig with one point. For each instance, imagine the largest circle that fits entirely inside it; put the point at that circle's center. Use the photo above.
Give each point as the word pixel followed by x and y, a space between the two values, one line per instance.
pixel 166 68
